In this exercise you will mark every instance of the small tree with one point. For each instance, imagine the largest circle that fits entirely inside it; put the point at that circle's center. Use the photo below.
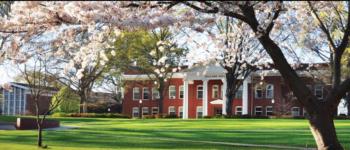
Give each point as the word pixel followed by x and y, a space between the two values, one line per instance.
pixel 35 73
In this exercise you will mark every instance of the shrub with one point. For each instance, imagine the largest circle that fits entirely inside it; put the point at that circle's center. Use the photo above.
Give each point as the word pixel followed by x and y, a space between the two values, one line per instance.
pixel 70 101
pixel 170 116
pixel 91 115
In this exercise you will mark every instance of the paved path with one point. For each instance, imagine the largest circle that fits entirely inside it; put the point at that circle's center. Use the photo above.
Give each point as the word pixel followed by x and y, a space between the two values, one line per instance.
pixel 7 126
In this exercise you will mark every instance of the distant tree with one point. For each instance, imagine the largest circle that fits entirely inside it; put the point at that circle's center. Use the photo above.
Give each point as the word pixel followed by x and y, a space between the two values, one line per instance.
pixel 69 100
pixel 155 53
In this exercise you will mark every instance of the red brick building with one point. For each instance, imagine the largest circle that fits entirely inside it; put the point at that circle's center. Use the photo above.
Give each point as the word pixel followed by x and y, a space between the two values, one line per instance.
pixel 197 92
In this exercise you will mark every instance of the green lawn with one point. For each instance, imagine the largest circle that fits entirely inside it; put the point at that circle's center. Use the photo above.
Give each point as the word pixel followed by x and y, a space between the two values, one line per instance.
pixel 94 134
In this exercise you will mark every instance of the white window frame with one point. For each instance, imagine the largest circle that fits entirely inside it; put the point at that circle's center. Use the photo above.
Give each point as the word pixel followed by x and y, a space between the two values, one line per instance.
pixel 236 110
pixel 199 108
pixel 172 88
pixel 316 89
pixel 267 111
pixel 215 88
pixel 143 93
pixel 133 93
pixel 271 90
pixel 256 92
pixel 155 91
pixel 133 111
pixel 155 112
pixel 197 91
pixel 262 113
pixel 293 111
pixel 171 108
pixel 181 89
pixel 145 108
pixel 180 110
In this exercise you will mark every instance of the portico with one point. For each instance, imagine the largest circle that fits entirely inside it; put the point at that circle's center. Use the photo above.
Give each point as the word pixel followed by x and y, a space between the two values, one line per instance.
pixel 205 74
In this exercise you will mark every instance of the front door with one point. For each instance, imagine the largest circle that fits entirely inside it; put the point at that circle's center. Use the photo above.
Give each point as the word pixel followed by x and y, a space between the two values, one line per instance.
pixel 218 111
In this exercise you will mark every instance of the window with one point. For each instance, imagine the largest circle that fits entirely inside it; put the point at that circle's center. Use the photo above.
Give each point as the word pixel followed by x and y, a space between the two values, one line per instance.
pixel 181 91
pixel 136 93
pixel 295 111
pixel 135 112
pixel 145 93
pixel 199 112
pixel 172 111
pixel 199 92
pixel 319 91
pixel 258 111
pixel 154 110
pixel 238 110
pixel 269 91
pixel 269 111
pixel 215 91
pixel 155 94
pixel 145 111
pixel 180 111
pixel 172 92
pixel 258 92
pixel 239 92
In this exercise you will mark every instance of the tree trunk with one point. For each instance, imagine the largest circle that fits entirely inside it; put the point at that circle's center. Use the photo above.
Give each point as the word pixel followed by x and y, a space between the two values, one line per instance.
pixel 161 97
pixel 40 137
pixel 231 89
pixel 347 99
pixel 82 102
pixel 323 130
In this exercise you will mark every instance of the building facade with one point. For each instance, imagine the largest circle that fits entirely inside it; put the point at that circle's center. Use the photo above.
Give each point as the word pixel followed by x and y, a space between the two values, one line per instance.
pixel 198 92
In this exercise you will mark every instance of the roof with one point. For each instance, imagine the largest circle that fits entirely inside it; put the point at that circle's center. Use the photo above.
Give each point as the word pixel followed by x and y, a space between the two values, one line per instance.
pixel 26 86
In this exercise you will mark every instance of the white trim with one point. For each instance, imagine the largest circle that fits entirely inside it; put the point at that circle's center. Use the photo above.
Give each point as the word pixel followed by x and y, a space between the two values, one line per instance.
pixel 238 111
pixel 134 77
pixel 272 91
pixel 143 93
pixel 262 111
pixel 198 91
pixel 245 92
pixel 224 99
pixel 183 93
pixel 170 107
pixel 205 98
pixel 293 111
pixel 199 107
pixel 133 93
pixel 173 87
pixel 146 108
pixel 213 91
pixel 268 111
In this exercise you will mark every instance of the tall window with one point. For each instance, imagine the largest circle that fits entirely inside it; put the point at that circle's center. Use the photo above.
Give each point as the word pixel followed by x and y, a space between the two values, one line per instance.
pixel 135 112
pixel 199 112
pixel 258 111
pixel 145 93
pixel 258 92
pixel 199 92
pixel 172 92
pixel 155 94
pixel 180 111
pixel 181 91
pixel 172 111
pixel 155 110
pixel 295 111
pixel 239 92
pixel 145 111
pixel 269 111
pixel 269 91
pixel 136 93
pixel 238 110
pixel 215 91
pixel 318 91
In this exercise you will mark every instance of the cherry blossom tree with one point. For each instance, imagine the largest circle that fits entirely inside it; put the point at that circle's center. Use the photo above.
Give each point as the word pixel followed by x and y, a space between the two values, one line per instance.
pixel 263 19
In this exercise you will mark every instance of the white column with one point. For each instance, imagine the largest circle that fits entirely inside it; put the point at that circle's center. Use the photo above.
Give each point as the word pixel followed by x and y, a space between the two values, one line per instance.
pixel 245 96
pixel 224 99
pixel 205 97
pixel 185 101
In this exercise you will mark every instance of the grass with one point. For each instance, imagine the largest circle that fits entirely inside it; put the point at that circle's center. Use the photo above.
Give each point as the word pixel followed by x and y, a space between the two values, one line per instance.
pixel 104 133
